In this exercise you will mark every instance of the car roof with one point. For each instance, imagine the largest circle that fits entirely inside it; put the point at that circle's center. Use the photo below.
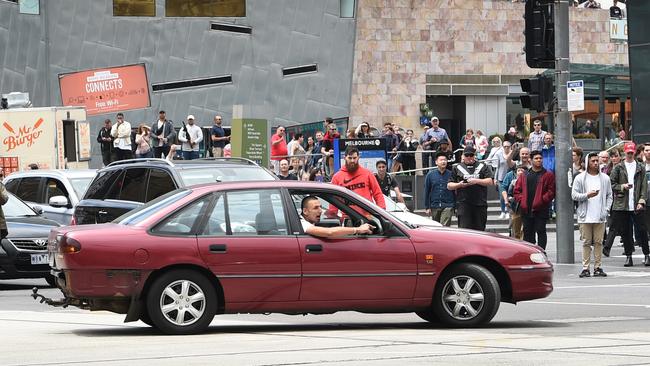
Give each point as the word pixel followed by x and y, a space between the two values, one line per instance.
pixel 262 184
pixel 183 164
pixel 65 173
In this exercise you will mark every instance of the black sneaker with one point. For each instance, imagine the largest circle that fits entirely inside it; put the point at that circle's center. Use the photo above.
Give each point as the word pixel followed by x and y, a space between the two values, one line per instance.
pixel 585 273
pixel 598 272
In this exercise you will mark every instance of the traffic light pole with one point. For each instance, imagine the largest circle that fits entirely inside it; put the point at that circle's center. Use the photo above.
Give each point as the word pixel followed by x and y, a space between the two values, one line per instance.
pixel 563 145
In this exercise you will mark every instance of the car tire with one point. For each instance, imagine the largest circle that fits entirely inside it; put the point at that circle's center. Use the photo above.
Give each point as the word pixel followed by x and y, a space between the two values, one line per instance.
pixel 51 280
pixel 466 296
pixel 181 302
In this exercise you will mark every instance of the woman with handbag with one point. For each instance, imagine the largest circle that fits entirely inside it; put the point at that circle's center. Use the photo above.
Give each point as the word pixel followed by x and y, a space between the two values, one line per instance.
pixel 143 142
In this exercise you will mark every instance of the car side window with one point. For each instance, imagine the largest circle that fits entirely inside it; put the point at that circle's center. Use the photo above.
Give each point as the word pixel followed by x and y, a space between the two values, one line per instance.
pixel 183 221
pixel 160 182
pixel 106 185
pixel 29 190
pixel 133 188
pixel 54 187
pixel 256 212
pixel 216 222
pixel 12 185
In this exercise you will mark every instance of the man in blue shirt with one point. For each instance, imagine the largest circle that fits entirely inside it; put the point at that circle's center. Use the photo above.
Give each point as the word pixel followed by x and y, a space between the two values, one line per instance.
pixel 548 153
pixel 218 137
pixel 431 140
pixel 439 200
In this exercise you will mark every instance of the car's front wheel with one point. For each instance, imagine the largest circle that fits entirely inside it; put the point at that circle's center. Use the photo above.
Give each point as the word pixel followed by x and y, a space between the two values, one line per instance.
pixel 181 302
pixel 468 295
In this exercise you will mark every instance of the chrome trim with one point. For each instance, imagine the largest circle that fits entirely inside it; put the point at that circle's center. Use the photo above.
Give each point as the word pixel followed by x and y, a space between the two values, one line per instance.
pixel 426 273
pixel 361 274
pixel 261 276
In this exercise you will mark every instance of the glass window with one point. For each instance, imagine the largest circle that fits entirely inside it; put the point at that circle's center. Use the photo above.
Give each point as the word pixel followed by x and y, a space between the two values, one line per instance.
pixel 141 213
pixel 107 184
pixel 183 221
pixel 134 8
pixel 216 224
pixel 258 212
pixel 80 185
pixel 224 174
pixel 205 8
pixel 29 190
pixel 55 188
pixel 12 185
pixel 160 182
pixel 16 208
pixel 134 185
pixel 347 8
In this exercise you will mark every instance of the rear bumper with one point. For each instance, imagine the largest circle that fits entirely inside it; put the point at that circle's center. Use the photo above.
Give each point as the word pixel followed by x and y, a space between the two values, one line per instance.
pixel 531 283
pixel 89 284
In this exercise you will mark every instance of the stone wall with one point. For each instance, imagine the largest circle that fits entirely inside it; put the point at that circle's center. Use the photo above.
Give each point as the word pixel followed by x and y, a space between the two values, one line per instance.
pixel 400 42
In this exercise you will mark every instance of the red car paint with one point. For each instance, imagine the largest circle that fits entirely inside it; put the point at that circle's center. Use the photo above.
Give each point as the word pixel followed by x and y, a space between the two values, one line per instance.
pixel 260 274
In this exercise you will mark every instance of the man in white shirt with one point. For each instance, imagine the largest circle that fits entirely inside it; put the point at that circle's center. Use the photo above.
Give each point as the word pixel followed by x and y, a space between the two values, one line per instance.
pixel 311 212
pixel 593 192
pixel 190 135
pixel 121 133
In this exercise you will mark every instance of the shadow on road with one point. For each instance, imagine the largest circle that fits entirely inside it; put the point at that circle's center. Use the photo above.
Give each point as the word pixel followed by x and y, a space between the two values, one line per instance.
pixel 290 328
pixel 15 287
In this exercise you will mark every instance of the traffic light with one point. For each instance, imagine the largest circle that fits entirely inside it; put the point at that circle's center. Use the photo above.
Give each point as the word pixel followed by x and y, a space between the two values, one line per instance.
pixel 540 34
pixel 539 92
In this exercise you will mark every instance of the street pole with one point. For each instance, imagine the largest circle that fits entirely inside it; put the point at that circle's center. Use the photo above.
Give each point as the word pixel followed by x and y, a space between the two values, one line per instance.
pixel 563 145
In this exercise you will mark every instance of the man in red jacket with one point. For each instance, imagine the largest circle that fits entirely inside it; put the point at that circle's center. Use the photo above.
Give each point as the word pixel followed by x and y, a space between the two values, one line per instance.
pixel 534 191
pixel 359 179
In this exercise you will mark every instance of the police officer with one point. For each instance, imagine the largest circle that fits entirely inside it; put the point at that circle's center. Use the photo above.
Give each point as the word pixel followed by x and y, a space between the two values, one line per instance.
pixel 470 180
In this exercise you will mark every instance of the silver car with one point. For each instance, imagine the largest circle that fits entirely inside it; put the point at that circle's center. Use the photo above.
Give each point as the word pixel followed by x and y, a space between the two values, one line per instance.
pixel 54 192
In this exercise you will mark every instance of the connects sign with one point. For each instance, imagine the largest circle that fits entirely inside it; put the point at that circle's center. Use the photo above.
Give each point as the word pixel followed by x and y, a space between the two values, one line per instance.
pixel 23 135
pixel 103 81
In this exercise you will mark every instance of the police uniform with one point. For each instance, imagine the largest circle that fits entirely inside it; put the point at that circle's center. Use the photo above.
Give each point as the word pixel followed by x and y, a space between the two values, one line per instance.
pixel 471 201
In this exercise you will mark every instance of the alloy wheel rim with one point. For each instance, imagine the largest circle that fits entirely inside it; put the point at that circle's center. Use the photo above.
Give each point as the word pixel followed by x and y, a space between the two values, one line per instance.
pixel 463 298
pixel 182 302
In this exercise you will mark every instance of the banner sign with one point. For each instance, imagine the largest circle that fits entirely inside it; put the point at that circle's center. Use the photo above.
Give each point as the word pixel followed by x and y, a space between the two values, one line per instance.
pixel 106 90
pixel 370 152
pixel 250 139
pixel 618 29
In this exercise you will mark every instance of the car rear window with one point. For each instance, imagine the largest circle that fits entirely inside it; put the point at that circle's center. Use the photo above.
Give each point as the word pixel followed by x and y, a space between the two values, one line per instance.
pixel 223 174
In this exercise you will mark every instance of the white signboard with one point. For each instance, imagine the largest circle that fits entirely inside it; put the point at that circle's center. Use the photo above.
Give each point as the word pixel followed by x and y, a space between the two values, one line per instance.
pixel 575 92
pixel 618 29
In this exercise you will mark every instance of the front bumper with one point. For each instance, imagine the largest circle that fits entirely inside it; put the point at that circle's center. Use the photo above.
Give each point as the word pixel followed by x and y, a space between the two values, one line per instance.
pixel 16 263
pixel 531 282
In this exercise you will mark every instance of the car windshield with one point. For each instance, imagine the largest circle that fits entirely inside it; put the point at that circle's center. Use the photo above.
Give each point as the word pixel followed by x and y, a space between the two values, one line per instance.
pixel 391 206
pixel 17 208
pixel 80 185
pixel 223 174
pixel 145 211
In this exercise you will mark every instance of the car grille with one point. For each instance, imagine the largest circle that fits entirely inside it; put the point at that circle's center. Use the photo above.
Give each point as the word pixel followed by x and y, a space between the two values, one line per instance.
pixel 30 244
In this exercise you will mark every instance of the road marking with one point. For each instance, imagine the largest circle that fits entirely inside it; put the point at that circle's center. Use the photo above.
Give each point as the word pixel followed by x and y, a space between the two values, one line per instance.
pixel 632 274
pixel 590 304
pixel 590 320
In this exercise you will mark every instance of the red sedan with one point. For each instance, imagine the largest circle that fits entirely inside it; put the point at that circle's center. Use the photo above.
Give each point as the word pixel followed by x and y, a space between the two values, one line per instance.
pixel 242 248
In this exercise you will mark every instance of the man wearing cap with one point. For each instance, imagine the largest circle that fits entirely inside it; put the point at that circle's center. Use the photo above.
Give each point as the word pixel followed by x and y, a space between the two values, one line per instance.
pixel 512 136
pixel 470 181
pixel 630 194
pixel 431 140
pixel 190 136
pixel 162 135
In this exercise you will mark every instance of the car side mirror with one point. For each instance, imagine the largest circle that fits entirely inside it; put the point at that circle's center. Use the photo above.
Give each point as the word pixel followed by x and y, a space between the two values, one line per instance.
pixel 59 201
pixel 38 209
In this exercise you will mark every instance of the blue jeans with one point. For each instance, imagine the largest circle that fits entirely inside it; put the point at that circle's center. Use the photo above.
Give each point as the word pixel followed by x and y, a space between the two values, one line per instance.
pixel 190 155
pixel 501 201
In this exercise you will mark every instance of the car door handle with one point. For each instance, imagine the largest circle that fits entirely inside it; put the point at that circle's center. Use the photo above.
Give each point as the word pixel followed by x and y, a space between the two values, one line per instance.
pixel 102 212
pixel 313 248
pixel 217 248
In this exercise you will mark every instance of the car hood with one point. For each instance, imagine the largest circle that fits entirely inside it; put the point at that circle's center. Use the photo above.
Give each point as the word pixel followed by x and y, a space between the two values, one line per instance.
pixel 29 227
pixel 415 219
pixel 466 235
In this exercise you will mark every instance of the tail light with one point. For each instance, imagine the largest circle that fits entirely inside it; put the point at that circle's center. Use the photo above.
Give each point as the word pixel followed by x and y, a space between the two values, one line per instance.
pixel 69 245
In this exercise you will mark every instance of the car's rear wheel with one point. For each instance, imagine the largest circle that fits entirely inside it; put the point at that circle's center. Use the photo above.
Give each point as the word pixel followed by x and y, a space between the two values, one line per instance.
pixel 181 302
pixel 467 295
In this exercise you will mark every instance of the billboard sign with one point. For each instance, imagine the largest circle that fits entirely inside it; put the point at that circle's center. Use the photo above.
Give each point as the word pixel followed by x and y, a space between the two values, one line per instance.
pixel 106 90
pixel 370 152
pixel 250 139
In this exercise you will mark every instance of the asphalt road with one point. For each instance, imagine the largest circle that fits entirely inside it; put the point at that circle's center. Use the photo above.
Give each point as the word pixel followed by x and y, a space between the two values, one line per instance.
pixel 590 321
